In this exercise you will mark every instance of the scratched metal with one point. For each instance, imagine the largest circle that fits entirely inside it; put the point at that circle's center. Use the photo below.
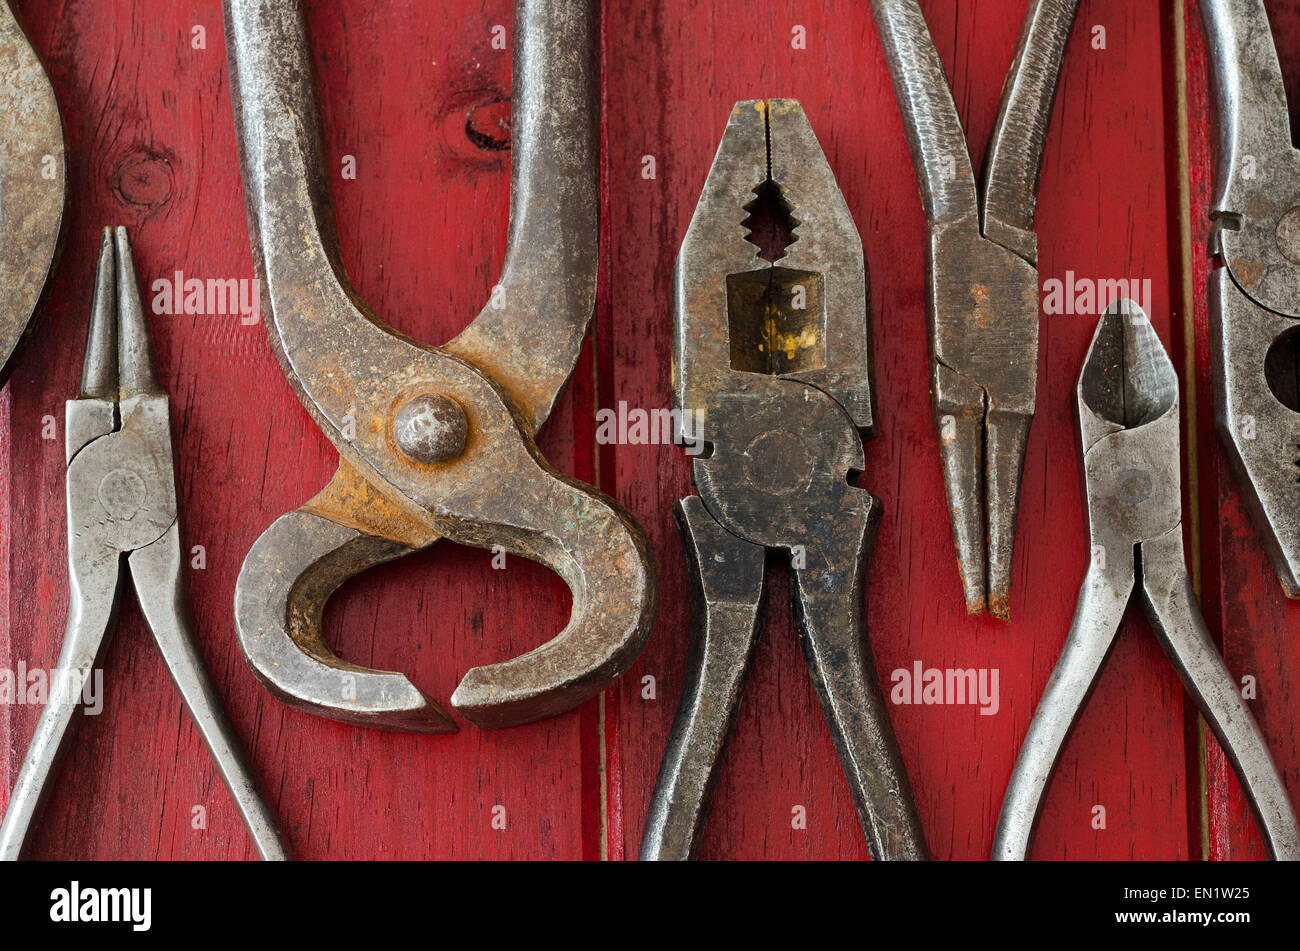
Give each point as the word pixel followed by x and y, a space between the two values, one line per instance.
pixel 982 292
pixel 398 410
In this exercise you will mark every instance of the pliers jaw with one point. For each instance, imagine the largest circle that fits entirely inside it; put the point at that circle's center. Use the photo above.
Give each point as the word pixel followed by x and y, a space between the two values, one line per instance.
pixel 1254 283
pixel 983 308
pixel 121 488
pixel 813 294
pixel 1127 398
pixel 1255 367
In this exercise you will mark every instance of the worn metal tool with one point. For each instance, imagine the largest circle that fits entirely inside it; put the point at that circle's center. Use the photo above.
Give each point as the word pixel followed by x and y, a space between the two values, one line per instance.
pixel 773 361
pixel 32 184
pixel 434 442
pixel 1128 420
pixel 1254 284
pixel 122 520
pixel 982 292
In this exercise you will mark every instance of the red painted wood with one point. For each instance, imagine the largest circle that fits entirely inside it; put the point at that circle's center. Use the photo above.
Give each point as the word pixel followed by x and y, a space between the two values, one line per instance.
pixel 1259 627
pixel 152 142
pixel 1105 213
pixel 423 231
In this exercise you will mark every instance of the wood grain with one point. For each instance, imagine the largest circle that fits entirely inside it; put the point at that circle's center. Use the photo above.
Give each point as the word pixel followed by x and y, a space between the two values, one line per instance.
pixel 422 229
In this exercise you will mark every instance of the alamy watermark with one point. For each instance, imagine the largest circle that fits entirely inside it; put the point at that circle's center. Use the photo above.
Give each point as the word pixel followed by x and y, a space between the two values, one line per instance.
pixel 655 427
pixel 213 297
pixel 36 686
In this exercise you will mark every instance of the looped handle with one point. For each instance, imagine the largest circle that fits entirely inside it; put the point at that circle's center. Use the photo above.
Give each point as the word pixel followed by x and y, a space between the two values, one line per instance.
pixel 585 537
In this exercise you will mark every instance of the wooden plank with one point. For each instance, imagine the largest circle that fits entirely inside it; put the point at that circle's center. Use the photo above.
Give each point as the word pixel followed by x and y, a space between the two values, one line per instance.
pixel 676 69
pixel 423 230
pixel 1245 605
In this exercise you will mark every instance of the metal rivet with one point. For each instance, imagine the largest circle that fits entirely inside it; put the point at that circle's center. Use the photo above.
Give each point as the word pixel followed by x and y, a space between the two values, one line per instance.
pixel 431 428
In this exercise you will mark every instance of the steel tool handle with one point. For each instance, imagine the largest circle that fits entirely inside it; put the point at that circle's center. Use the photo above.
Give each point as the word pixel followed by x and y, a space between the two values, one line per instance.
pixel 1103 598
pixel 826 595
pixel 1015 159
pixel 156 573
pixel 1171 603
pixel 725 608
pixel 92 608
pixel 1249 94
pixel 934 133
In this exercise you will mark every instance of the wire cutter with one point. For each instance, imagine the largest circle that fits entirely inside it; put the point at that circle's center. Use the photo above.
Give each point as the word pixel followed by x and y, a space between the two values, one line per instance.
pixel 122 520
pixel 1128 420
pixel 32 184
pixel 773 361
pixel 982 289
pixel 1254 282
pixel 434 442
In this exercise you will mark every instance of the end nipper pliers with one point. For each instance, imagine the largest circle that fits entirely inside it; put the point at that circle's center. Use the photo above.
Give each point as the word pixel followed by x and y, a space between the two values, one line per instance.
pixel 1128 420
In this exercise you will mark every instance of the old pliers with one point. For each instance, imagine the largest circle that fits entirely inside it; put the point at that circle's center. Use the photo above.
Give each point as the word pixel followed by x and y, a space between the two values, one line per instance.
pixel 773 362
pixel 1254 284
pixel 982 292
pixel 32 184
pixel 1128 420
pixel 122 520
pixel 434 442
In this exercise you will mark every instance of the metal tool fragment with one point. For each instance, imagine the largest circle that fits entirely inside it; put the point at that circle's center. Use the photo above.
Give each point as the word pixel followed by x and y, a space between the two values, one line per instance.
pixel 1128 419
pixel 982 291
pixel 1254 283
pixel 122 521
pixel 434 442
pixel 32 184
pixel 775 355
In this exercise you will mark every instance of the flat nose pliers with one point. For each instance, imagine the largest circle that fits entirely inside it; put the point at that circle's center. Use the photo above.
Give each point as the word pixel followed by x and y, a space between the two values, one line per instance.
pixel 1127 399
pixel 1254 283
pixel 122 520
pixel 772 370
pixel 434 442
pixel 982 291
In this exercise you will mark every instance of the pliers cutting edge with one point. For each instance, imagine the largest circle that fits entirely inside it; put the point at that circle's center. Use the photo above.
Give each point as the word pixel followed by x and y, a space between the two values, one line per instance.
pixel 776 358
pixel 982 294
pixel 1128 420
pixel 1254 284
pixel 122 520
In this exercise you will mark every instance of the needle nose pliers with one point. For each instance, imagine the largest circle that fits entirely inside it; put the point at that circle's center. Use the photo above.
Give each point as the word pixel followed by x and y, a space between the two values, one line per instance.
pixel 122 520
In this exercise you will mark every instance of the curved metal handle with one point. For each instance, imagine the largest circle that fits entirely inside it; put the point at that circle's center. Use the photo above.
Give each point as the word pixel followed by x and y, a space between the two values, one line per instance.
pixel 826 595
pixel 727 588
pixel 1103 598
pixel 1249 93
pixel 1015 157
pixel 528 337
pixel 1178 623
pixel 92 606
pixel 586 538
pixel 934 133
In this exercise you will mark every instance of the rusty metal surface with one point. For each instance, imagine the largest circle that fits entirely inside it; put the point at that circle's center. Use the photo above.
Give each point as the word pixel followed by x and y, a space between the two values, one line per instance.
pixel 1127 399
pixel 32 184
pixel 982 293
pixel 122 521
pixel 434 442
pixel 772 359
pixel 1254 285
